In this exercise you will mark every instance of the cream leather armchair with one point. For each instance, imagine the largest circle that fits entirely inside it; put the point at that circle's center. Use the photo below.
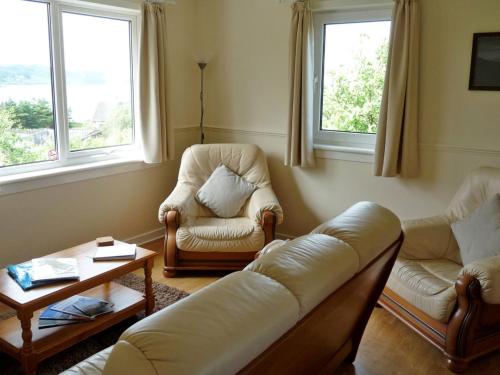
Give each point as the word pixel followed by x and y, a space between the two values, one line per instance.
pixel 195 239
pixel 456 308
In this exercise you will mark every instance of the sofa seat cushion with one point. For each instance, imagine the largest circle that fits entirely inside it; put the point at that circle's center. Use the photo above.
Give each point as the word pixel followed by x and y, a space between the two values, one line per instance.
pixel 93 365
pixel 217 330
pixel 429 285
pixel 219 234
pixel 311 267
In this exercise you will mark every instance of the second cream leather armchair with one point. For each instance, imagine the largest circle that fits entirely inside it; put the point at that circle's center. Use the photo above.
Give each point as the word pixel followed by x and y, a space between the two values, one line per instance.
pixel 198 240
pixel 455 307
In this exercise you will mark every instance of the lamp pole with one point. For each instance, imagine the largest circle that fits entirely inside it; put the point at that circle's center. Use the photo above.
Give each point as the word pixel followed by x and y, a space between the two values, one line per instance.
pixel 202 66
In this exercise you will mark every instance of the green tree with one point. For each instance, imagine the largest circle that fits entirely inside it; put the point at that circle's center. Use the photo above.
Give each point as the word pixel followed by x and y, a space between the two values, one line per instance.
pixel 116 130
pixel 30 114
pixel 12 149
pixel 352 101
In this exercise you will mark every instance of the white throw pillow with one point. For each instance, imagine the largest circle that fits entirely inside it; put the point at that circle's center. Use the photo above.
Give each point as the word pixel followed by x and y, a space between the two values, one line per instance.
pixel 225 192
pixel 478 235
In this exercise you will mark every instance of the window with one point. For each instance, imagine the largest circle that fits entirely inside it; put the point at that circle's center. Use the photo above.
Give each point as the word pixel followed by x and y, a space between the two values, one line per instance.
pixel 66 84
pixel 350 61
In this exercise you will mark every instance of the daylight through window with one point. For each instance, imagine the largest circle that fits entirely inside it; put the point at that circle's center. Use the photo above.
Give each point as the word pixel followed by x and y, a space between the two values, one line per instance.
pixel 351 65
pixel 66 88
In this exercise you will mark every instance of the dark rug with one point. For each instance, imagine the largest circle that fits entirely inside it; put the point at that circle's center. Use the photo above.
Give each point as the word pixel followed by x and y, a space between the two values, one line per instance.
pixel 165 296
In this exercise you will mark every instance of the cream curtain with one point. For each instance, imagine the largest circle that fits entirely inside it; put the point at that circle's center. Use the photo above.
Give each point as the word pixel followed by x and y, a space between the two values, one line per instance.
pixel 396 150
pixel 300 116
pixel 157 136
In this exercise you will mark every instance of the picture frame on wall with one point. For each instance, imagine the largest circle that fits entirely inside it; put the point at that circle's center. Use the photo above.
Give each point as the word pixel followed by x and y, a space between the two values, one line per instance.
pixel 485 62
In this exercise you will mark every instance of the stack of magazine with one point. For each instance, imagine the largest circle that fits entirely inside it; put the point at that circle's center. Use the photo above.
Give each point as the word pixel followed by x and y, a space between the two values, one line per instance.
pixel 76 309
pixel 43 271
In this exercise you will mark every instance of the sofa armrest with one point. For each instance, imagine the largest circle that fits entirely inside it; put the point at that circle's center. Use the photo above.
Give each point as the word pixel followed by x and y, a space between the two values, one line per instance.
pixel 263 199
pixel 181 199
pixel 487 272
pixel 126 358
pixel 429 238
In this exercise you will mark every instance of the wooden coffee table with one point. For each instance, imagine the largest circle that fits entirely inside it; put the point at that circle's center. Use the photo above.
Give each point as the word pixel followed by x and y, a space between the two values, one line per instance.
pixel 20 336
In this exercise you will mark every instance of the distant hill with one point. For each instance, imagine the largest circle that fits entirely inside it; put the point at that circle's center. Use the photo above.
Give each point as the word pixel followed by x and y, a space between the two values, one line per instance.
pixel 40 75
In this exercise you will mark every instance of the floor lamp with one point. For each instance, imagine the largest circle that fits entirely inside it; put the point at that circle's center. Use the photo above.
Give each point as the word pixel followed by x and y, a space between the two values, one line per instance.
pixel 202 66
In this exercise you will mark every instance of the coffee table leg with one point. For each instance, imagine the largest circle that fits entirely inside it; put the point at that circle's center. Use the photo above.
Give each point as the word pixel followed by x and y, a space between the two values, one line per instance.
pixel 148 286
pixel 27 358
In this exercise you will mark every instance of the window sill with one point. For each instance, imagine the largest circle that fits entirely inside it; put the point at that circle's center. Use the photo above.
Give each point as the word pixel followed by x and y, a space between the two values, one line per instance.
pixel 356 154
pixel 57 176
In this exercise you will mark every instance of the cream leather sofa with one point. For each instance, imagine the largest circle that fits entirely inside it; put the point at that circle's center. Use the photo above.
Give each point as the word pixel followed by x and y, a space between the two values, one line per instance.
pixel 456 308
pixel 300 307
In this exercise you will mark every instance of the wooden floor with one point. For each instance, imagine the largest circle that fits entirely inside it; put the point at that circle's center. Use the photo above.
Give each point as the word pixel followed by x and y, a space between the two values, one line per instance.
pixel 187 282
pixel 388 346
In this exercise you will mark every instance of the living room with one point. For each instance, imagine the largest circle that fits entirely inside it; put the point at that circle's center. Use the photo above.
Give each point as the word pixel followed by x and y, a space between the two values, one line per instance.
pixel 246 90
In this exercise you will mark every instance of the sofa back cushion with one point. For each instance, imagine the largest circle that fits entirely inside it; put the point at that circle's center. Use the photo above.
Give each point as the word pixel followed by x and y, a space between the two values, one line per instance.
pixel 311 267
pixel 367 227
pixel 217 330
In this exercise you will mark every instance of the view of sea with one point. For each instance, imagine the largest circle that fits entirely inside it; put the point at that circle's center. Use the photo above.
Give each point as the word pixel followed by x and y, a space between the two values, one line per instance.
pixel 82 99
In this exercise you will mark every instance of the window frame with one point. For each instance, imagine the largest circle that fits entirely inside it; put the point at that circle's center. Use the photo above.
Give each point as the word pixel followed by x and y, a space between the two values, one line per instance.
pixel 334 140
pixel 68 158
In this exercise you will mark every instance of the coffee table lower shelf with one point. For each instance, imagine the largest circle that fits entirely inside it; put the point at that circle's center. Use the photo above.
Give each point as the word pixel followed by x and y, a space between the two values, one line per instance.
pixel 49 341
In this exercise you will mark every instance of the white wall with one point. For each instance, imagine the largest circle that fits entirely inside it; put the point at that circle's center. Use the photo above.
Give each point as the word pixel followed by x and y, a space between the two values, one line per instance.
pixel 36 222
pixel 247 83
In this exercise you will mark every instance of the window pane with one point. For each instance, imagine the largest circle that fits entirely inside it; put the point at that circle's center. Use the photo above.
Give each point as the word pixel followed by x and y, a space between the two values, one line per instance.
pixel 26 107
pixel 355 56
pixel 98 81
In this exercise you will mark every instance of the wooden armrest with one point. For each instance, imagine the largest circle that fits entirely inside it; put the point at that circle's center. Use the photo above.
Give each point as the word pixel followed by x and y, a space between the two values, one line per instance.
pixel 268 224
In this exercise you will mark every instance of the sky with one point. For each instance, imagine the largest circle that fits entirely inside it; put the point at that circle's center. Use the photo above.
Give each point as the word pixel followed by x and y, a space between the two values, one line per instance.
pixel 342 41
pixel 24 35
pixel 90 43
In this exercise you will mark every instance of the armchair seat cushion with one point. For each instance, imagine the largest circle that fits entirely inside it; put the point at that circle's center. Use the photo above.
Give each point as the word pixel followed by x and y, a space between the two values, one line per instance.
pixel 429 285
pixel 238 234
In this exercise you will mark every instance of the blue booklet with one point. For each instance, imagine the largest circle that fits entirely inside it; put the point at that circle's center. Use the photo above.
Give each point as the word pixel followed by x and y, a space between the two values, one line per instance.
pixel 21 273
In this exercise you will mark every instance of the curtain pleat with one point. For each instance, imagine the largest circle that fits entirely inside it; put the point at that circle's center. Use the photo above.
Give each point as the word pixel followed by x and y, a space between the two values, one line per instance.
pixel 396 150
pixel 157 136
pixel 300 117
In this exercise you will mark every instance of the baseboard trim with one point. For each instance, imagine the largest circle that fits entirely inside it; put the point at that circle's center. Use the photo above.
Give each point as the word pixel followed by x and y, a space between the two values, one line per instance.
pixel 146 237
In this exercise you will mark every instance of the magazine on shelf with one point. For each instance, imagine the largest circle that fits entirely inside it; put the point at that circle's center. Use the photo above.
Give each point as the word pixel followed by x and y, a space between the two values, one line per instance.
pixel 54 269
pixel 93 307
pixel 115 252
pixel 50 323
pixel 50 314
pixel 68 306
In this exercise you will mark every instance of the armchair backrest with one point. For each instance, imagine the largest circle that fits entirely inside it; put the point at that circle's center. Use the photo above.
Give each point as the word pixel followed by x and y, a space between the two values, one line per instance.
pixel 479 186
pixel 199 161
